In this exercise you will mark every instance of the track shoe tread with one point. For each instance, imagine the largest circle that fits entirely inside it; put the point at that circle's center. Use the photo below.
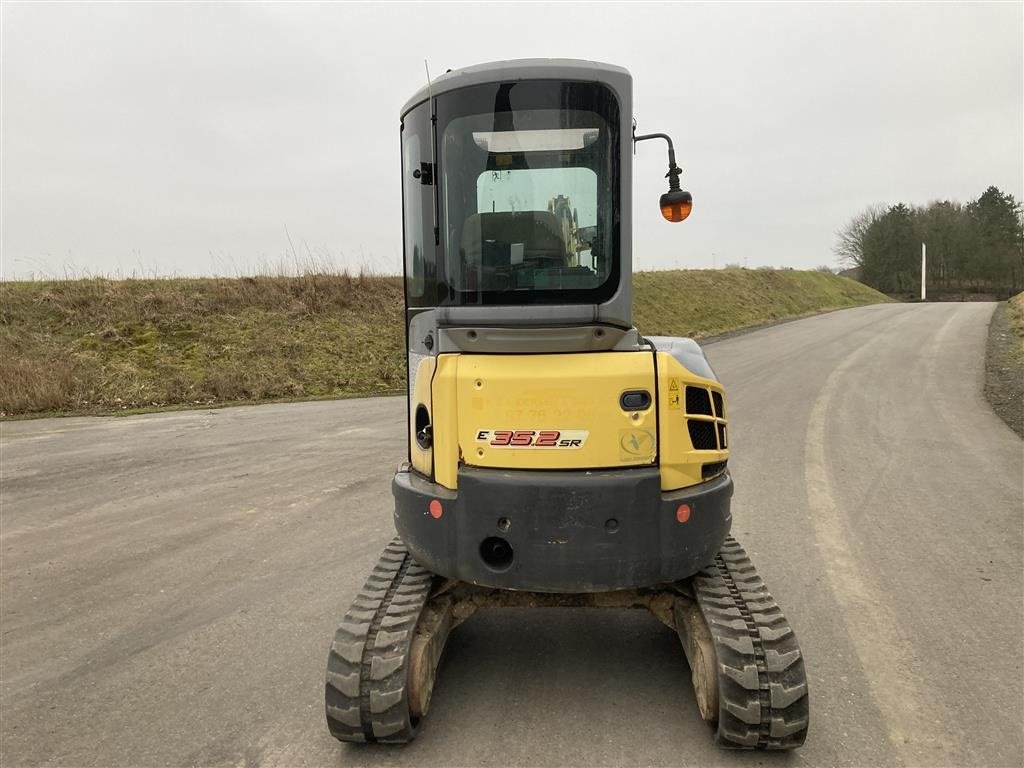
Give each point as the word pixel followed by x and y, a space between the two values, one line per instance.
pixel 366 688
pixel 763 699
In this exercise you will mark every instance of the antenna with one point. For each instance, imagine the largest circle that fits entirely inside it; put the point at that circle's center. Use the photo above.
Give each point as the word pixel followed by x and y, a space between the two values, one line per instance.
pixel 426 66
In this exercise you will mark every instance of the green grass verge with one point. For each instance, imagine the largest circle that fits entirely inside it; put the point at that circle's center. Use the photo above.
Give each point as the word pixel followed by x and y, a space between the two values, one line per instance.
pixel 100 346
pixel 700 303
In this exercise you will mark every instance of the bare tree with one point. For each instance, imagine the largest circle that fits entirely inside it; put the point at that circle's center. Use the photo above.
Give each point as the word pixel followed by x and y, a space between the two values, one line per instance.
pixel 849 247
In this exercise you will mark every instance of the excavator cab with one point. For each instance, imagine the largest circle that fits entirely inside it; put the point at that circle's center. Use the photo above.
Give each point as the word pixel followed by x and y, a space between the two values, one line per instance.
pixel 555 455
pixel 511 193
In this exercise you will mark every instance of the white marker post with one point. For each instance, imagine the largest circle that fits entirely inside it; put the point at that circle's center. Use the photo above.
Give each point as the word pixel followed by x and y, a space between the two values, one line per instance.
pixel 924 258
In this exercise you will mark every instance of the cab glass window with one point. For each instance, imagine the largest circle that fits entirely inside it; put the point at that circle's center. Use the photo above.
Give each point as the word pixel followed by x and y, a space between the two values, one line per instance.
pixel 529 193
pixel 418 207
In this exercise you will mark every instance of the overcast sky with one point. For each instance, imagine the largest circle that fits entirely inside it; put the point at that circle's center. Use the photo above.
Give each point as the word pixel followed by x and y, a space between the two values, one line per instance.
pixel 180 138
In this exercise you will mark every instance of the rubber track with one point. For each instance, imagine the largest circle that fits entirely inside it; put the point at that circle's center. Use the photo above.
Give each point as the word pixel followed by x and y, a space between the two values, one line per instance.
pixel 763 701
pixel 366 691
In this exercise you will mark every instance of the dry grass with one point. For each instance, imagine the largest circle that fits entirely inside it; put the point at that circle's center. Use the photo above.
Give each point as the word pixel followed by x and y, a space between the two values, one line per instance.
pixel 1004 363
pixel 89 346
pixel 101 346
pixel 700 303
pixel 1015 318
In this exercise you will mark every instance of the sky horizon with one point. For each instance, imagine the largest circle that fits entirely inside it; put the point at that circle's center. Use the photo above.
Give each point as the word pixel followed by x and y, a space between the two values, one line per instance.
pixel 228 139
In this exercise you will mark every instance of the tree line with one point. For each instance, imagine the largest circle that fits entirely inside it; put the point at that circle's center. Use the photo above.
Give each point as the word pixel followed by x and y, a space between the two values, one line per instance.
pixel 977 247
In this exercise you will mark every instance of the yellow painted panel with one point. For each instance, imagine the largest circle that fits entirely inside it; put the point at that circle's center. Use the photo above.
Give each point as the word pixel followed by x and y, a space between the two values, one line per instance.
pixel 680 464
pixel 446 422
pixel 422 460
pixel 563 412
pixel 553 411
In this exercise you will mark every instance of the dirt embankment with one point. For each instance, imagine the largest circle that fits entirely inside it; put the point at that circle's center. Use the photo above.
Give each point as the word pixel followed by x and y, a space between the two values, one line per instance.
pixel 101 346
pixel 1004 363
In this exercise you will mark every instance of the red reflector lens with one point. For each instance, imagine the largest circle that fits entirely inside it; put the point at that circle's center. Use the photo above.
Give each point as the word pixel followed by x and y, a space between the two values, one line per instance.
pixel 435 509
pixel 683 513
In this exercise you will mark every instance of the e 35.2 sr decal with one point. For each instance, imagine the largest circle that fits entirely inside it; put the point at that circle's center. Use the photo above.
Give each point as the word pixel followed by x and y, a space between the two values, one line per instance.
pixel 533 438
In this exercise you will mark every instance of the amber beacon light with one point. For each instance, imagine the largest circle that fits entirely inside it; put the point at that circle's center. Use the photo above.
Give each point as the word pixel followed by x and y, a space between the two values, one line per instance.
pixel 677 203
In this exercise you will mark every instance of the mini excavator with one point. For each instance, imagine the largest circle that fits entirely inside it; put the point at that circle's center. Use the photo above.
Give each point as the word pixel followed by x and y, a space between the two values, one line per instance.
pixel 556 456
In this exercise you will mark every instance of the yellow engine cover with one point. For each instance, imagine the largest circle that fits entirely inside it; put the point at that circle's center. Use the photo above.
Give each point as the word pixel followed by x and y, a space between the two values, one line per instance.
pixel 541 412
pixel 563 411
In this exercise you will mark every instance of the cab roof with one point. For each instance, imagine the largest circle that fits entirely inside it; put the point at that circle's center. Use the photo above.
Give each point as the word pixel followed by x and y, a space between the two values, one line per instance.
pixel 618 78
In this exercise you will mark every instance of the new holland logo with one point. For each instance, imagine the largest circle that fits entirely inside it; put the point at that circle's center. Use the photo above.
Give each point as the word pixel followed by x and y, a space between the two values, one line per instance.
pixel 533 438
pixel 637 445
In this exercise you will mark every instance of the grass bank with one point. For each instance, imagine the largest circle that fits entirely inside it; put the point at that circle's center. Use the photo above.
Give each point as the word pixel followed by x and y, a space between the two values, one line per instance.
pixel 1004 363
pixel 93 346
pixel 700 303
pixel 101 346
pixel 1015 318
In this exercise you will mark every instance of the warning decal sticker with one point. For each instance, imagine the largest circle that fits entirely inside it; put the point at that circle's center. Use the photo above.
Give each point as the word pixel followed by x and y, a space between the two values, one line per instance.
pixel 673 394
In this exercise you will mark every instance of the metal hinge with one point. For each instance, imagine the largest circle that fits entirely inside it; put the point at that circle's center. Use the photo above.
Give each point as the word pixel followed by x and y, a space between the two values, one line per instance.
pixel 425 173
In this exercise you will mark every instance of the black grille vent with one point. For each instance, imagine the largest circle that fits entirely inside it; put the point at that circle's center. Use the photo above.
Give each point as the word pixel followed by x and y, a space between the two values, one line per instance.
pixel 719 405
pixel 710 470
pixel 702 435
pixel 722 443
pixel 697 401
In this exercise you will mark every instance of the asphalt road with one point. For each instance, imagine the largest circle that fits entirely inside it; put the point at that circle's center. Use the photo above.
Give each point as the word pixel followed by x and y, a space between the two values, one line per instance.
pixel 171 582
